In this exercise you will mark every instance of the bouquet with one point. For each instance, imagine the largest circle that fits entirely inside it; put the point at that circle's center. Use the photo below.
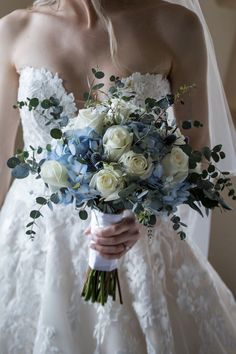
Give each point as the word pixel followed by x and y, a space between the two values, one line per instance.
pixel 116 156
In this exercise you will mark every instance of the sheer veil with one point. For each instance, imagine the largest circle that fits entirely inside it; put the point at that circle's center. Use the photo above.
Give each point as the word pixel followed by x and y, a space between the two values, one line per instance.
pixel 221 126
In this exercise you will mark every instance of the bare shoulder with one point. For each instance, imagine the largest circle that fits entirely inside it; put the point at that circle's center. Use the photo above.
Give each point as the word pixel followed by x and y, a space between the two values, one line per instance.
pixel 179 24
pixel 14 23
pixel 11 28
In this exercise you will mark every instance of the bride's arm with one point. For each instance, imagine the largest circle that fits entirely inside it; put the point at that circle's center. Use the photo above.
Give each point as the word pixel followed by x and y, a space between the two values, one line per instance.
pixel 9 117
pixel 189 67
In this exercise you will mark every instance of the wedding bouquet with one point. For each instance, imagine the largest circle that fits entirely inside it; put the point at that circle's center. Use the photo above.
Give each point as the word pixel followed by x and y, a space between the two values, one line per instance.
pixel 116 156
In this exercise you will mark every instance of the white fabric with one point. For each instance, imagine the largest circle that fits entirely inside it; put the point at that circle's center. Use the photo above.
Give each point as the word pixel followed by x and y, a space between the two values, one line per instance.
pixel 222 130
pixel 99 220
pixel 174 302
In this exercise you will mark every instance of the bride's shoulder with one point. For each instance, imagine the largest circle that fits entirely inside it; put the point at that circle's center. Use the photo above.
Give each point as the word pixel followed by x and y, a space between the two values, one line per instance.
pixel 12 26
pixel 177 15
pixel 179 25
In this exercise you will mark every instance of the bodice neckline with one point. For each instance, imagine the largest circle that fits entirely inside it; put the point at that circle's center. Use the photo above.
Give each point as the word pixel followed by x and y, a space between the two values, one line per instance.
pixel 134 75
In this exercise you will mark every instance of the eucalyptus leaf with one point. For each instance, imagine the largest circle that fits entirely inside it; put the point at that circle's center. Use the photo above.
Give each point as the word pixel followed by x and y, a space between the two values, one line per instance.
pixel 56 133
pixel 13 162
pixel 35 214
pixel 41 201
pixel 83 214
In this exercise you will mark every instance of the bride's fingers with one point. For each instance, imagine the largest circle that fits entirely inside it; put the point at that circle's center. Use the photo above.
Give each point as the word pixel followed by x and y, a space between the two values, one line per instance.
pixel 87 231
pixel 118 255
pixel 118 239
pixel 126 224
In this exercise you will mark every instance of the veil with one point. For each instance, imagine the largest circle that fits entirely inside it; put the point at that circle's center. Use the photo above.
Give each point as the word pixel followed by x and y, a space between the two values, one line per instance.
pixel 221 127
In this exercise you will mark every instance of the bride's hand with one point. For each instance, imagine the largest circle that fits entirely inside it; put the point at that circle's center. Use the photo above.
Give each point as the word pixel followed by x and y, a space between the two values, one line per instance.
pixel 112 242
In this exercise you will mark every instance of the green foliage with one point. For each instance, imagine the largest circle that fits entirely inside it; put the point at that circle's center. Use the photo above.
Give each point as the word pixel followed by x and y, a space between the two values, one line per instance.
pixel 56 133
pixel 83 214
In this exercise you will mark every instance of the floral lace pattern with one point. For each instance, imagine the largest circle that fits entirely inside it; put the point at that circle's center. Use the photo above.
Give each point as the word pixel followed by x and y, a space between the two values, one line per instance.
pixel 174 302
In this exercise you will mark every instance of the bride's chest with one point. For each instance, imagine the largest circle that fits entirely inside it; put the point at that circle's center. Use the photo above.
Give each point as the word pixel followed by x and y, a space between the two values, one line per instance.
pixel 74 53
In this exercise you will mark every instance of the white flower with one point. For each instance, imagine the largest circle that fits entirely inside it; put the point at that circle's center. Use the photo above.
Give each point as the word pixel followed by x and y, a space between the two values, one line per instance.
pixel 180 137
pixel 88 118
pixel 54 174
pixel 122 110
pixel 175 165
pixel 116 141
pixel 109 182
pixel 137 164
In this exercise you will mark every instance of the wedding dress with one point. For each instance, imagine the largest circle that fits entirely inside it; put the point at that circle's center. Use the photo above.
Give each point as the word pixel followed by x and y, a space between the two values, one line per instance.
pixel 174 301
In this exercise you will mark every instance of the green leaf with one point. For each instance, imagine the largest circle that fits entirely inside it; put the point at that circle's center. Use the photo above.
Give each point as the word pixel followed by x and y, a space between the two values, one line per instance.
pixel 56 133
pixel 197 155
pixel 231 193
pixel 97 87
pixel 86 96
pixel 214 175
pixel 49 147
pixel 152 220
pixel 35 214
pixel 30 224
pixel 222 155
pixel 197 124
pixel 187 124
pixel 55 198
pixel 94 71
pixel 13 162
pixel 26 154
pixel 151 102
pixel 34 102
pixel 211 169
pixel 45 104
pixel 187 149
pixel 83 214
pixel 176 227
pixel 30 232
pixel 215 157
pixel 217 148
pixel 112 78
pixel 192 163
pixel 41 201
pixel 207 152
pixel 127 191
pixel 182 235
pixel 54 101
pixel 99 75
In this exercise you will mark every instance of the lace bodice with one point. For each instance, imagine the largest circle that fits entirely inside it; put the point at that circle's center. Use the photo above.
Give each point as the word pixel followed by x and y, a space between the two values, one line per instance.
pixel 42 83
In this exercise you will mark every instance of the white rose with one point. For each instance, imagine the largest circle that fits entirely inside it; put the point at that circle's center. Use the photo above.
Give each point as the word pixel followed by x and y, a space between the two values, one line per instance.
pixel 122 109
pixel 137 164
pixel 54 174
pixel 116 141
pixel 175 165
pixel 180 137
pixel 108 182
pixel 88 118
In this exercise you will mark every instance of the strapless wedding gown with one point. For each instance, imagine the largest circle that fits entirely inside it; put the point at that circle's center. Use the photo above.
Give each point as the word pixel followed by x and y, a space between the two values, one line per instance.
pixel 174 301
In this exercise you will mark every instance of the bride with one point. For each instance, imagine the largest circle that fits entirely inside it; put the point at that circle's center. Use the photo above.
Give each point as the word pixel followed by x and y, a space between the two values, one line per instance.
pixel 174 301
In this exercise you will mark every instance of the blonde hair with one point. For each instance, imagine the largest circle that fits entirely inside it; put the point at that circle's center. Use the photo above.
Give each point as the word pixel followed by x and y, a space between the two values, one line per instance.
pixel 106 21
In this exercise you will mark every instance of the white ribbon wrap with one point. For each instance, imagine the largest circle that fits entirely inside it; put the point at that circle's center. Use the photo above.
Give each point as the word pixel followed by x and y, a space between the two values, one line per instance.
pixel 100 220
